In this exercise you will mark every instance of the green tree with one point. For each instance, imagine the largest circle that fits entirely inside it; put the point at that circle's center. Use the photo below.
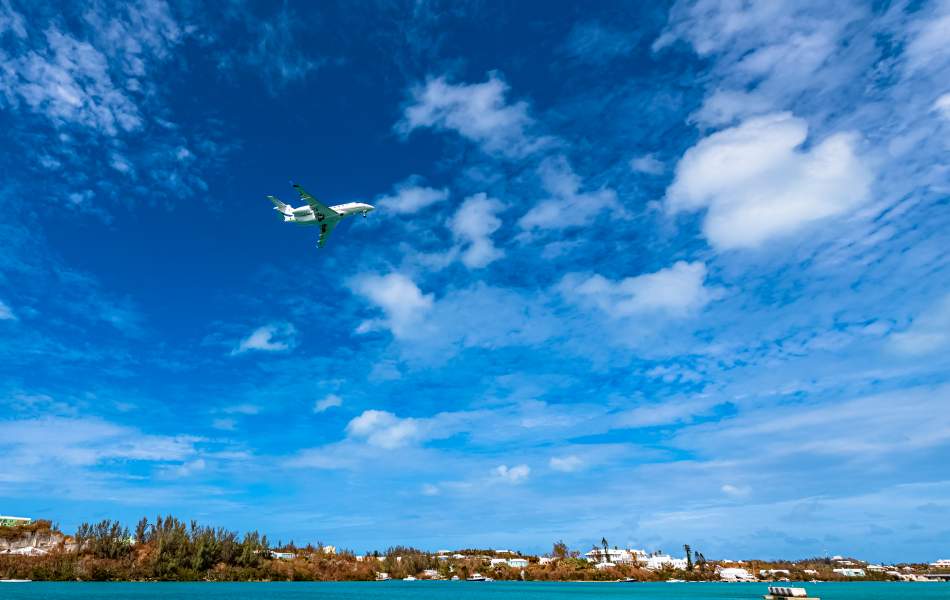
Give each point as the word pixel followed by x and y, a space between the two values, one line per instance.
pixel 689 557
pixel 559 550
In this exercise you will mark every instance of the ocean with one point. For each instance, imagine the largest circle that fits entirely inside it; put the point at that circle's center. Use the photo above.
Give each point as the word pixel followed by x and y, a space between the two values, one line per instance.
pixel 460 590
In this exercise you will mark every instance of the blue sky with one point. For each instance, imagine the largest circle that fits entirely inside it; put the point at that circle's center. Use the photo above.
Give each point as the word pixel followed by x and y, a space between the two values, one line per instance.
pixel 665 274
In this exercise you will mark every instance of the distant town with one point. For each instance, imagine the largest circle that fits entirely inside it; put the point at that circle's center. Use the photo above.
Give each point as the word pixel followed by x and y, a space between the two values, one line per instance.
pixel 172 550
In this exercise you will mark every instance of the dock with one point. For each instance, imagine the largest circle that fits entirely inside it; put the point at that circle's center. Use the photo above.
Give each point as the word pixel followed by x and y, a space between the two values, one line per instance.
pixel 785 593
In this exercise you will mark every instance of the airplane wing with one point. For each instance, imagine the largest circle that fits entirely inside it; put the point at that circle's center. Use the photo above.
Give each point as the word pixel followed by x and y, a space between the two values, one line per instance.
pixel 325 230
pixel 319 209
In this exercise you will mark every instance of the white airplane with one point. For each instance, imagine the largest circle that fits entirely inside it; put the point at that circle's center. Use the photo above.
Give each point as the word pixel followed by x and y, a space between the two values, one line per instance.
pixel 315 213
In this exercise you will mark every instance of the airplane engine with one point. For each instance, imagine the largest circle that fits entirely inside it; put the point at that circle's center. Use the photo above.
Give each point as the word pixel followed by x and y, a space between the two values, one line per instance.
pixel 302 211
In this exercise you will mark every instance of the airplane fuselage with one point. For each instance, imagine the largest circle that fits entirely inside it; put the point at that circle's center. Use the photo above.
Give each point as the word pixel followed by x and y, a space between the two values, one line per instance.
pixel 305 215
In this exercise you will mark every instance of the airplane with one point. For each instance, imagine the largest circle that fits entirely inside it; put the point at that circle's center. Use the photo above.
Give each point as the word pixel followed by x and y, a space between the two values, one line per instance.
pixel 315 213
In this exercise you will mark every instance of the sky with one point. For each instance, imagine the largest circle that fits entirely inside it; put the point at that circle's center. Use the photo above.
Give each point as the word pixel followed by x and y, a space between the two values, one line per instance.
pixel 660 273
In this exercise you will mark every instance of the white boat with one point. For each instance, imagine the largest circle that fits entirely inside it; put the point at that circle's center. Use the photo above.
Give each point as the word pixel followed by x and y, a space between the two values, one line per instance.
pixel 410 578
pixel 455 577
pixel 15 580
pixel 478 577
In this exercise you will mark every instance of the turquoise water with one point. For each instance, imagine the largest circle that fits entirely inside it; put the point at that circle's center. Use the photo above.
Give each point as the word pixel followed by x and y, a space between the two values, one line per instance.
pixel 460 590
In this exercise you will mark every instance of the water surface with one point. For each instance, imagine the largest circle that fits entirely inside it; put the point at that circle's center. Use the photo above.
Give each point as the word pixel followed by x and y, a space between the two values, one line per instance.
pixel 459 590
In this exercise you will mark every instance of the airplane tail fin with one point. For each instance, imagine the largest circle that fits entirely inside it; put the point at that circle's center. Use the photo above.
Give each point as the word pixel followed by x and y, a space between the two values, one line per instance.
pixel 280 207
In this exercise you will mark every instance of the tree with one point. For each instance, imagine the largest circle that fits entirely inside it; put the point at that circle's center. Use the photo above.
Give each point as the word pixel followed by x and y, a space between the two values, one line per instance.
pixel 560 549
pixel 689 558
pixel 603 542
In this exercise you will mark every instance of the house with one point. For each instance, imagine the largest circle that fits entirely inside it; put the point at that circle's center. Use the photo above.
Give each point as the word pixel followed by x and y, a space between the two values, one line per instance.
pixel 773 572
pixel 283 555
pixel 505 552
pixel 518 563
pixel 382 576
pixel 615 555
pixel 850 572
pixel 943 563
pixel 657 561
pixel 7 521
pixel 498 561
pixel 329 549
pixel 546 560
pixel 430 574
pixel 734 574
pixel 811 572
pixel 604 565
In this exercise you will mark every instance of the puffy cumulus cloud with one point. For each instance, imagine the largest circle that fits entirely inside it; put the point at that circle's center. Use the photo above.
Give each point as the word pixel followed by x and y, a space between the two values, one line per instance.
pixel 473 224
pixel 477 111
pixel 6 313
pixel 929 332
pixel 568 206
pixel 327 402
pixel 399 298
pixel 384 429
pixel 275 337
pixel 677 291
pixel 566 464
pixel 515 474
pixel 410 197
pixel 756 183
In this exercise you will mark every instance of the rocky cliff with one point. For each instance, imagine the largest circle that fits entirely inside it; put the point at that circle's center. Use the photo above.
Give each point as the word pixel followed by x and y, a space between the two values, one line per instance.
pixel 32 541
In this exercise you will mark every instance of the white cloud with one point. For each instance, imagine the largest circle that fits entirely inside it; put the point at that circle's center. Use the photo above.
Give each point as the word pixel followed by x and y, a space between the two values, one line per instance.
pixel 328 402
pixel 515 474
pixel 473 224
pixel 400 299
pixel 566 464
pixel 929 332
pixel 409 197
pixel 647 164
pixel 69 82
pixel 735 490
pixel 475 111
pixel 724 107
pixel 6 314
pixel 679 290
pixel 241 409
pixel 385 430
pixel 224 424
pixel 275 337
pixel 567 206
pixel 756 184
pixel 942 106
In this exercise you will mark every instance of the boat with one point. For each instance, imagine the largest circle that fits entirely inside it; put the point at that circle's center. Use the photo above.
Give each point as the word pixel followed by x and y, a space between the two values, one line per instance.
pixel 478 577
pixel 409 578
pixel 676 581
pixel 455 577
pixel 628 580
pixel 15 580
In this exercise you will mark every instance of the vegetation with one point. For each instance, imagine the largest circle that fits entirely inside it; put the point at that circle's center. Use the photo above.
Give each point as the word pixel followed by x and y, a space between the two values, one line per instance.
pixel 172 550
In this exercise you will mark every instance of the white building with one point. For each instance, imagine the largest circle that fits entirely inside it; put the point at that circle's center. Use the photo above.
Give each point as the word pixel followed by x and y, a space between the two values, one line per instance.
pixel 850 572
pixel 283 555
pixel 734 574
pixel 617 556
pixel 518 563
pixel 498 561
pixel 656 562
pixel 430 574
pixel 943 563
pixel 546 560
pixel 604 565
pixel 773 572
